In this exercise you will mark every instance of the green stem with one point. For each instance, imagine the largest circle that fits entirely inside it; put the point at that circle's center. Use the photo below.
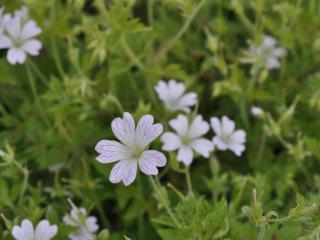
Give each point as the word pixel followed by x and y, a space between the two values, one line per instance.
pixel 141 216
pixel 56 58
pixel 164 202
pixel 261 233
pixel 150 12
pixel 24 182
pixel 35 94
pixel 167 47
pixel 188 179
pixel 37 71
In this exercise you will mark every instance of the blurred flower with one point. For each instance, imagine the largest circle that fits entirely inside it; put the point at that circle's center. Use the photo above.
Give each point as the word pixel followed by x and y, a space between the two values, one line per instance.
pixel 267 53
pixel 23 13
pixel 187 139
pixel 87 225
pixel 226 136
pixel 131 151
pixel 43 231
pixel 4 18
pixel 171 94
pixel 57 167
pixel 256 111
pixel 18 36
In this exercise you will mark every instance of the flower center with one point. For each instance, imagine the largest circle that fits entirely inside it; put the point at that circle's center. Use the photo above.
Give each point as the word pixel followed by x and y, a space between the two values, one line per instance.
pixel 136 152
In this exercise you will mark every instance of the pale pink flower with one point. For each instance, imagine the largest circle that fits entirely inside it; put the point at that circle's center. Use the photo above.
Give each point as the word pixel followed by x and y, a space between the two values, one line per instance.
pixel 86 225
pixel 226 135
pixel 18 37
pixel 131 151
pixel 188 138
pixel 172 94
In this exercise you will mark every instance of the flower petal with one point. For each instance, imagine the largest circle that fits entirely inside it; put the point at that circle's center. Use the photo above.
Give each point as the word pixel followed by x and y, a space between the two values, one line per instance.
pixel 111 151
pixel 198 127
pixel 175 89
pixel 146 131
pixel 238 136
pixel 150 160
pixel 228 125
pixel 170 141
pixel 91 224
pixel 162 90
pixel 272 63
pixel 124 129
pixel 202 146
pixel 216 125
pixel 25 232
pixel 16 55
pixel 186 101
pixel 5 41
pixel 180 124
pixel 32 47
pixel 185 155
pixel 29 30
pixel 44 231
pixel 14 27
pixel 269 41
pixel 221 145
pixel 237 149
pixel 125 171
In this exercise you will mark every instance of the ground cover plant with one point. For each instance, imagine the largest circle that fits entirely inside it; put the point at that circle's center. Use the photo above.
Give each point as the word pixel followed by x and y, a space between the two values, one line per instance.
pixel 159 119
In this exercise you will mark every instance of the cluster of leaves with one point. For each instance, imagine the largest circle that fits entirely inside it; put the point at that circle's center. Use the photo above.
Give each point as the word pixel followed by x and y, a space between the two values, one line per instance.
pixel 101 58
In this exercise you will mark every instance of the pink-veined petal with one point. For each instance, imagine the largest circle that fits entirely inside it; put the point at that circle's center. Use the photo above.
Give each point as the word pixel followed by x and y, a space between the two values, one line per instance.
pixel 150 160
pixel 125 171
pixel 5 41
pixel 146 131
pixel 111 151
pixel 124 129
pixel 29 30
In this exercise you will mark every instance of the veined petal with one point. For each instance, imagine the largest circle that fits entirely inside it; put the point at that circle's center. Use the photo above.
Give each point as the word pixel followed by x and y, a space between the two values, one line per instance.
pixel 14 27
pixel 216 125
pixel 32 47
pixel 185 155
pixel 150 160
pixel 44 231
pixel 228 125
pixel 198 127
pixel 124 129
pixel 202 146
pixel 170 141
pixel 180 124
pixel 29 30
pixel 186 101
pixel 16 55
pixel 5 41
pixel 125 171
pixel 146 131
pixel 111 151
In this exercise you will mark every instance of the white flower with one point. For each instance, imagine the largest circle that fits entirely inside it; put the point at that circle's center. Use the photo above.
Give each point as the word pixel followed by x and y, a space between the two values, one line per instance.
pixel 226 136
pixel 23 13
pixel 87 225
pixel 188 138
pixel 4 18
pixel 18 37
pixel 171 94
pixel 131 151
pixel 43 231
pixel 267 53
pixel 256 111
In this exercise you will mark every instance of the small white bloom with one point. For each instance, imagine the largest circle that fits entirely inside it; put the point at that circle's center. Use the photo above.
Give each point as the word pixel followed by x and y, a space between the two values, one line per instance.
pixel 172 94
pixel 18 37
pixel 226 136
pixel 188 138
pixel 131 151
pixel 87 225
pixel 43 231
pixel 256 111
pixel 23 13
pixel 267 53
